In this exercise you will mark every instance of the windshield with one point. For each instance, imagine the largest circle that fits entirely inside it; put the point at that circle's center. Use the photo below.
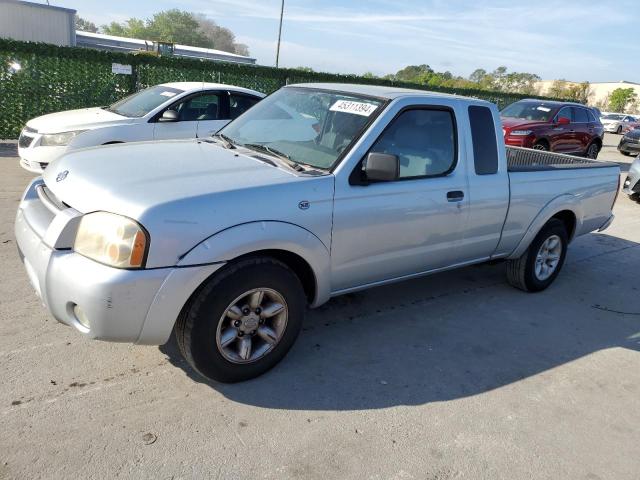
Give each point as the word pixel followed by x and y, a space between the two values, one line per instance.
pixel 141 103
pixel 613 117
pixel 536 111
pixel 307 126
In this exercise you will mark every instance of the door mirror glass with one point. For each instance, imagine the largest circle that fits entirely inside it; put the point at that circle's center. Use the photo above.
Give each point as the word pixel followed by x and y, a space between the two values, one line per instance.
pixel 563 121
pixel 169 116
pixel 382 167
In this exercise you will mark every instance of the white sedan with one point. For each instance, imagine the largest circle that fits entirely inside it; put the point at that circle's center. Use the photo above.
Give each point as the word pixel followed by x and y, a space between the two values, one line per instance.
pixel 166 111
pixel 616 122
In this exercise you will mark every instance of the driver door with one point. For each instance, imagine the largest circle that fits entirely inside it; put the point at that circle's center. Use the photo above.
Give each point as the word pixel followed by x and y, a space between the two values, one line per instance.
pixel 386 230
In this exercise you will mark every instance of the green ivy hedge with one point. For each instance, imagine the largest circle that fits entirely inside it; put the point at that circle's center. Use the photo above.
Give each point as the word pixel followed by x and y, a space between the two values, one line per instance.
pixel 38 78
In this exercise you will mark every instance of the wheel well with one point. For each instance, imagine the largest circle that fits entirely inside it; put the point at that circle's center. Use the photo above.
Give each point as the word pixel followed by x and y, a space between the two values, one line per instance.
pixel 296 263
pixel 568 218
pixel 543 141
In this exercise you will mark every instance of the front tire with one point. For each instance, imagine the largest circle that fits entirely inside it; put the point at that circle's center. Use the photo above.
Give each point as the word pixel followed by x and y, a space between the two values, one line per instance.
pixel 243 321
pixel 626 154
pixel 619 130
pixel 542 146
pixel 541 263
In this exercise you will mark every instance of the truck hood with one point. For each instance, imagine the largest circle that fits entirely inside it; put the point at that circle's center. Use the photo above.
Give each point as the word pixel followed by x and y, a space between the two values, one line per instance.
pixel 183 191
pixel 81 119
pixel 511 123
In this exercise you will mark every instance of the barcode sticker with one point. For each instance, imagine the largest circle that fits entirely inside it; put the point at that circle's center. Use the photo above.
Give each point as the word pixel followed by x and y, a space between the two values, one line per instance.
pixel 357 108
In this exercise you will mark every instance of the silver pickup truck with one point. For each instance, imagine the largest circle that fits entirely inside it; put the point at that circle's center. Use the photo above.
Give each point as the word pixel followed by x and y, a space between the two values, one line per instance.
pixel 319 190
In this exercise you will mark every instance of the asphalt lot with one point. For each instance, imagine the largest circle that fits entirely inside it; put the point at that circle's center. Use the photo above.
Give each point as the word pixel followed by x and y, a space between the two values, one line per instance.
pixel 452 376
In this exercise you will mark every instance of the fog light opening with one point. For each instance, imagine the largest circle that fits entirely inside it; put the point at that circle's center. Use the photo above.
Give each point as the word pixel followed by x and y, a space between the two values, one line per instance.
pixel 81 317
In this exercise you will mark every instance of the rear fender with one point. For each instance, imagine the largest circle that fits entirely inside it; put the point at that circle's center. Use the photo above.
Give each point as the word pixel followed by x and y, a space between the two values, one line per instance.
pixel 253 237
pixel 557 205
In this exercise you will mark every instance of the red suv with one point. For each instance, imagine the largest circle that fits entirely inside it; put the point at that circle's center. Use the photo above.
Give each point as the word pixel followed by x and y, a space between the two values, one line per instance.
pixel 553 126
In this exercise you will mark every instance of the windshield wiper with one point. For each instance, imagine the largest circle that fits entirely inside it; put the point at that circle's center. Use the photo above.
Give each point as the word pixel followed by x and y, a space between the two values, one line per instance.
pixel 228 143
pixel 275 153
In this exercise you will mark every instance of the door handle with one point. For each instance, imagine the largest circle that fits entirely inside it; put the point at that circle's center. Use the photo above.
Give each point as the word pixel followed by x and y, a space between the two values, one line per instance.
pixel 455 196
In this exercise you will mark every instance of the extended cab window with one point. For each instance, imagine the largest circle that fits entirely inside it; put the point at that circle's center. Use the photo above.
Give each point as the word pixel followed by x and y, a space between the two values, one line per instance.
pixel 483 136
pixel 423 140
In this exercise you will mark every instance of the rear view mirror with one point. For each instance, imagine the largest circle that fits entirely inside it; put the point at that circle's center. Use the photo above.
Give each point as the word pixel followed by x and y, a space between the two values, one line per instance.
pixel 564 121
pixel 382 167
pixel 169 116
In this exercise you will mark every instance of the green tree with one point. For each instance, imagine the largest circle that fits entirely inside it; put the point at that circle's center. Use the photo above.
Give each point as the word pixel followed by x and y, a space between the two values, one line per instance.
pixel 179 26
pixel 620 98
pixel 85 25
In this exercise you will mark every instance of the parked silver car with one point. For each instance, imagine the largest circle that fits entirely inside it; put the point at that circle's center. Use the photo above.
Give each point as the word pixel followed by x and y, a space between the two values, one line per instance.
pixel 318 190
pixel 167 111
pixel 616 122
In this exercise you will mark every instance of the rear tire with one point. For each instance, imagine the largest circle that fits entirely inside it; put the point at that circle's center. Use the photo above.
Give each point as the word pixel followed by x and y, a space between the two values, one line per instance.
pixel 528 272
pixel 226 338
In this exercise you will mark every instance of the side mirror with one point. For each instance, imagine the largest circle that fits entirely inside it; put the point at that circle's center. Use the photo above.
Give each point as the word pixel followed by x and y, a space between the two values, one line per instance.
pixel 169 116
pixel 382 167
pixel 564 121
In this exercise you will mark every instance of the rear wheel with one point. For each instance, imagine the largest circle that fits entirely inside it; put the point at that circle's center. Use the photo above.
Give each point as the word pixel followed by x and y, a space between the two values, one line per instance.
pixel 593 150
pixel 243 321
pixel 541 263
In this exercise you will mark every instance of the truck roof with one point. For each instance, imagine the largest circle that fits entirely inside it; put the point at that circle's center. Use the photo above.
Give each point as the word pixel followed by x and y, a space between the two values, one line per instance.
pixel 388 92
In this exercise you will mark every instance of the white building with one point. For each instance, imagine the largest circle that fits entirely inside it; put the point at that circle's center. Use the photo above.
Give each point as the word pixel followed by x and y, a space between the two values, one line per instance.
pixel 37 22
pixel 599 92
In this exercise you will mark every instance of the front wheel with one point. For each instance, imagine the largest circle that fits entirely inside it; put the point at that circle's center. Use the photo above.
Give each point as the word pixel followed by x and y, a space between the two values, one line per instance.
pixel 626 154
pixel 539 266
pixel 619 130
pixel 243 321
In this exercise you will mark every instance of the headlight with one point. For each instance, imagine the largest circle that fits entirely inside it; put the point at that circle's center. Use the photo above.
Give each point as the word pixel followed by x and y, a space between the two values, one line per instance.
pixel 112 239
pixel 522 133
pixel 58 139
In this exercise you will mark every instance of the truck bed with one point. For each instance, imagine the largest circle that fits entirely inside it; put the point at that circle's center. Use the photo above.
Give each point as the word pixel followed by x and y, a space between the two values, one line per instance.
pixel 528 160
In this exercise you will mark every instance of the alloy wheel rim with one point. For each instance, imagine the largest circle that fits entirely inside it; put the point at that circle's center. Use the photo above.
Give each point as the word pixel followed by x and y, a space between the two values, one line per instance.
pixel 593 149
pixel 540 147
pixel 252 325
pixel 548 257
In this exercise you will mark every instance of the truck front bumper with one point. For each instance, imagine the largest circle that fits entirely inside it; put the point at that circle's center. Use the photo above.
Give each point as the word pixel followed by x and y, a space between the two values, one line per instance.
pixel 102 302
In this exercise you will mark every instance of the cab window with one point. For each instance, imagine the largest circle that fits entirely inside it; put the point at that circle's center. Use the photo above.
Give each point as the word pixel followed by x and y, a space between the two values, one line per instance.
pixel 424 141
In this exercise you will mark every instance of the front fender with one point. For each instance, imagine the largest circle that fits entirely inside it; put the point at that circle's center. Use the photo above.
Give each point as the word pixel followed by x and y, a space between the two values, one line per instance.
pixel 266 235
pixel 558 204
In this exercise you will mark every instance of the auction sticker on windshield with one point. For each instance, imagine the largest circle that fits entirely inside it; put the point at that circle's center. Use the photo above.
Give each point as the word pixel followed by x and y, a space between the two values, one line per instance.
pixel 168 94
pixel 357 108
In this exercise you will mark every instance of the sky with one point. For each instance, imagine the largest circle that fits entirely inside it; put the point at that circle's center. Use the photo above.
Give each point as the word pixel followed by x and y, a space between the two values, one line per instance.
pixel 577 40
